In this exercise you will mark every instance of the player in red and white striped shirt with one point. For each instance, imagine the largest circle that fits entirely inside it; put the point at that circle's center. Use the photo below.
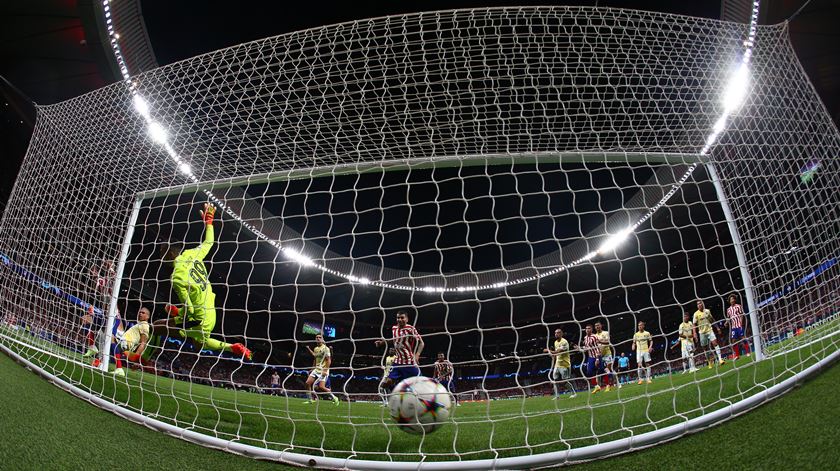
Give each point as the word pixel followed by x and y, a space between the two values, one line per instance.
pixel 735 321
pixel 445 374
pixel 407 347
pixel 592 350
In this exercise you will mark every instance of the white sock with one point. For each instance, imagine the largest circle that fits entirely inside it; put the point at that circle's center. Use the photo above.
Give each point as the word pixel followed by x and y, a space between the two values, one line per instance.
pixel 647 371
pixel 691 362
pixel 717 352
pixel 556 392
pixel 639 372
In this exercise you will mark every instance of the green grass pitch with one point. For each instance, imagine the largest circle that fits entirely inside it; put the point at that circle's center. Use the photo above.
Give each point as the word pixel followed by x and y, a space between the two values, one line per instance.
pixel 505 425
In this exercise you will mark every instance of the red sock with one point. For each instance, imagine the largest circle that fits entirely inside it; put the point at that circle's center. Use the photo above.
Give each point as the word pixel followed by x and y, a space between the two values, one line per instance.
pixel 90 339
pixel 593 381
pixel 746 347
pixel 118 358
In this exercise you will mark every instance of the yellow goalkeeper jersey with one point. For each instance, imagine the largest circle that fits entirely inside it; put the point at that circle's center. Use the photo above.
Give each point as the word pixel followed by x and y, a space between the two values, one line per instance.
pixel 189 278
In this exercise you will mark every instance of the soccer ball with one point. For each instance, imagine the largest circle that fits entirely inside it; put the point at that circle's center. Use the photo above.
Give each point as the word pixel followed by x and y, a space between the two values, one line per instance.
pixel 420 405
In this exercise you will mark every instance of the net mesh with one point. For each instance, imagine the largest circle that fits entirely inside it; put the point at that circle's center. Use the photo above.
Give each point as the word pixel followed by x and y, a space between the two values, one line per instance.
pixel 471 167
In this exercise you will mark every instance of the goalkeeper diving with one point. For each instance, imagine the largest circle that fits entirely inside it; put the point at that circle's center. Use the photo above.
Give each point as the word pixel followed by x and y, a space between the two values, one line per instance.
pixel 197 316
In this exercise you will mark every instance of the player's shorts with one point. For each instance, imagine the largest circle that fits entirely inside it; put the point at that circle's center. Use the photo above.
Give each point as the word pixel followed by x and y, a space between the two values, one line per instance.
pixel 606 361
pixel 687 349
pixel 319 376
pixel 738 333
pixel 199 325
pixel 559 373
pixel 448 384
pixel 401 372
pixel 590 369
pixel 642 356
pixel 707 338
pixel 152 347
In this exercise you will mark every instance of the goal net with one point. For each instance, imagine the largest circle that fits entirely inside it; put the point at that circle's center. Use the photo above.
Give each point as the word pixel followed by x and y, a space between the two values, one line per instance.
pixel 496 174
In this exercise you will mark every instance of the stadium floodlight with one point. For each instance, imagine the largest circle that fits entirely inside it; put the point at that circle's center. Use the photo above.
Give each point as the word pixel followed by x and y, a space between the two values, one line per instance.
pixel 157 133
pixel 615 240
pixel 736 89
pixel 298 257
pixel 185 169
pixel 142 107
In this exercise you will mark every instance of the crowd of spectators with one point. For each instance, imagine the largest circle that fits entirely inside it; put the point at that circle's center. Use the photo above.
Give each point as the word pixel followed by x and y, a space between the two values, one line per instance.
pixel 506 370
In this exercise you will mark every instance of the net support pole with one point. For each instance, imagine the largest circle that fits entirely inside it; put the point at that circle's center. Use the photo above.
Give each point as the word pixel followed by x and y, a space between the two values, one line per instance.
pixel 742 261
pixel 115 290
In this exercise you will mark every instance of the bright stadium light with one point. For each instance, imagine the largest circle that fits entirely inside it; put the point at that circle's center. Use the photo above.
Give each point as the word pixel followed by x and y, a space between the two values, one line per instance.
pixel 186 169
pixel 157 133
pixel 610 244
pixel 298 257
pixel 142 107
pixel 736 90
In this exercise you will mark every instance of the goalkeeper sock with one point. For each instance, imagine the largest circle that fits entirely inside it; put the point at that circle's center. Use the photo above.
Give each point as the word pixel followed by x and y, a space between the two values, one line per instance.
pixel 556 391
pixel 717 352
pixel 639 372
pixel 691 363
pixel 647 372
pixel 216 345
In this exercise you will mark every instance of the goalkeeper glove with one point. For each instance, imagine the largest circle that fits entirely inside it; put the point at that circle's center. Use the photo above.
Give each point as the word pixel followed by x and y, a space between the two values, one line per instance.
pixel 172 310
pixel 208 213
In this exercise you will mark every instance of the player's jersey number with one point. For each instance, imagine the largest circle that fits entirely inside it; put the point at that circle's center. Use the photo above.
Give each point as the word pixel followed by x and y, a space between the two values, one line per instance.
pixel 199 274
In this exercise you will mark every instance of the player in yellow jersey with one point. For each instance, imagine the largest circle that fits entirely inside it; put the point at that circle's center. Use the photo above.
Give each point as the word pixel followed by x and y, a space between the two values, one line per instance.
pixel 643 346
pixel 319 377
pixel 193 289
pixel 134 340
pixel 686 332
pixel 704 325
pixel 561 368
pixel 131 342
pixel 606 361
pixel 386 368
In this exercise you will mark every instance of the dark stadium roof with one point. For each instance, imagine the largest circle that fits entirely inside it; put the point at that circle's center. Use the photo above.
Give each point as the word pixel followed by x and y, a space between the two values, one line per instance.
pixel 53 49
